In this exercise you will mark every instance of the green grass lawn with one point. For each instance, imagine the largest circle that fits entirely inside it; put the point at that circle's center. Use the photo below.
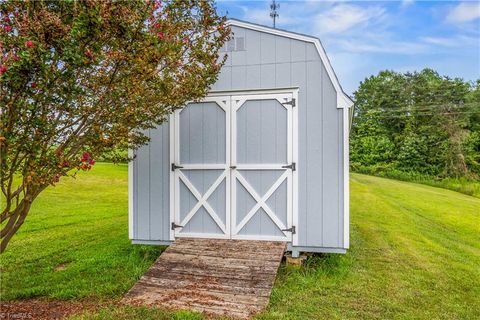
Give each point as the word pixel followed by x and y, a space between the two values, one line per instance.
pixel 79 226
pixel 415 254
pixel 468 186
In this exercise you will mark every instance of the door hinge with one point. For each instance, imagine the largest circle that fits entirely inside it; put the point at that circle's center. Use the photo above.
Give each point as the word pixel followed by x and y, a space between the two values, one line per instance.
pixel 292 230
pixel 291 166
pixel 292 102
pixel 174 226
pixel 174 166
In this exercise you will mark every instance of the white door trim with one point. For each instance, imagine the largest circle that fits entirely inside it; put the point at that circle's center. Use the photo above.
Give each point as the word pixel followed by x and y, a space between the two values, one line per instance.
pixel 173 193
pixel 295 142
pixel 230 102
pixel 202 200
pixel 261 201
pixel 284 98
pixel 178 176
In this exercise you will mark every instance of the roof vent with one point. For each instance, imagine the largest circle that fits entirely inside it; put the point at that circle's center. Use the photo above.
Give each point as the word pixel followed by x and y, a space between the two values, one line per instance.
pixel 234 44
pixel 231 45
pixel 240 44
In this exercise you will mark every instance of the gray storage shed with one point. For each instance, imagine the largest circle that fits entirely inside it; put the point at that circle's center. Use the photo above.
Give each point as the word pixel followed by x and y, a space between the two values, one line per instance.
pixel 263 157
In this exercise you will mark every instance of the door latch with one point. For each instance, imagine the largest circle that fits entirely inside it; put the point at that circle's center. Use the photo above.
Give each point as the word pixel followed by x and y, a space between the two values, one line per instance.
pixel 174 166
pixel 292 230
pixel 174 226
pixel 291 166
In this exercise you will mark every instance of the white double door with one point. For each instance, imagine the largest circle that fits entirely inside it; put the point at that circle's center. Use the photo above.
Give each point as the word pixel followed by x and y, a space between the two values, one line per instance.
pixel 233 167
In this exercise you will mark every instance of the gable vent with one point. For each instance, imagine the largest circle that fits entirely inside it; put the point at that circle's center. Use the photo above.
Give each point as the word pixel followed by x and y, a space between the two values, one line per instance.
pixel 234 44
pixel 231 45
pixel 240 44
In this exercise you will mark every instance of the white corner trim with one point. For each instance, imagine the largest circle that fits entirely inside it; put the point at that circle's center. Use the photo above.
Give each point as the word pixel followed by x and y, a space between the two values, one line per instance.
pixel 295 142
pixel 346 179
pixel 171 128
pixel 343 100
pixel 130 195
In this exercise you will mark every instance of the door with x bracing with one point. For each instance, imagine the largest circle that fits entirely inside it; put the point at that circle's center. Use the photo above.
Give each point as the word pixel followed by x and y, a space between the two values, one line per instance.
pixel 234 168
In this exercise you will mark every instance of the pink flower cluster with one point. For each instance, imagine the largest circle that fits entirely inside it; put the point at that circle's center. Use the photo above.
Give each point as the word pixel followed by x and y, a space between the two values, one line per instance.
pixel 13 54
pixel 86 161
pixel 86 158
pixel 157 4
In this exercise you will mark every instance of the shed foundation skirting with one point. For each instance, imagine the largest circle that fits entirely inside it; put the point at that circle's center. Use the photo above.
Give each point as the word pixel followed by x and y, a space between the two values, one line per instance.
pixel 153 242
pixel 294 249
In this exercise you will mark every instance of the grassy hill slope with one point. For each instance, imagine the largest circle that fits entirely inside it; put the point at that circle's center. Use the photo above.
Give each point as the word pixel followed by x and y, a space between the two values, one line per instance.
pixel 415 254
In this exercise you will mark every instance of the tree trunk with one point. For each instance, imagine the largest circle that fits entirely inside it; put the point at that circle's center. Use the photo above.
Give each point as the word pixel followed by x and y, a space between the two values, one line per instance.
pixel 15 221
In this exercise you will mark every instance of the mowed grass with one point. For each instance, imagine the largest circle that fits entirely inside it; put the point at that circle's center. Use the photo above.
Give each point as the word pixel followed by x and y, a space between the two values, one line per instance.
pixel 415 254
pixel 74 243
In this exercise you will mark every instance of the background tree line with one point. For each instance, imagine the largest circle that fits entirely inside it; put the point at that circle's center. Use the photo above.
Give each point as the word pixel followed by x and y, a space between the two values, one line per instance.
pixel 417 123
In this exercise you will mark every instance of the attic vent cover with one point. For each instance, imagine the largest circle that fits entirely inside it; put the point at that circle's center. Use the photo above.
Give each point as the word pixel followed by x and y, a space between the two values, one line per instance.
pixel 240 44
pixel 235 44
pixel 231 45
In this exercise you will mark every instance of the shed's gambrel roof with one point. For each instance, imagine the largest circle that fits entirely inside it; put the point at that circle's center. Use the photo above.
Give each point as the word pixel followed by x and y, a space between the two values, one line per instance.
pixel 343 100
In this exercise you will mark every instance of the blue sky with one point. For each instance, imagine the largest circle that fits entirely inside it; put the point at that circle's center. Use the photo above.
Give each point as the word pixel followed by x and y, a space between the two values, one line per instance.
pixel 364 37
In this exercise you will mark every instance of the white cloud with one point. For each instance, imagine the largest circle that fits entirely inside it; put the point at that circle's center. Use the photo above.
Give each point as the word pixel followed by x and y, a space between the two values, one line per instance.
pixel 454 41
pixel 343 17
pixel 388 46
pixel 464 12
pixel 406 3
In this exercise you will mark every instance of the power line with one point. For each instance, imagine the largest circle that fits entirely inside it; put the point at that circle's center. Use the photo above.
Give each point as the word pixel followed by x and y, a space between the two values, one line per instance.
pixel 386 115
pixel 425 108
pixel 413 112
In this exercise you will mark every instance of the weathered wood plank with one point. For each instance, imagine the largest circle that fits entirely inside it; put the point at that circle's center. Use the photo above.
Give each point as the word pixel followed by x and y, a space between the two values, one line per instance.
pixel 251 246
pixel 226 287
pixel 185 264
pixel 235 273
pixel 181 303
pixel 237 254
pixel 212 298
pixel 245 276
pixel 220 261
pixel 231 278
pixel 237 245
pixel 227 280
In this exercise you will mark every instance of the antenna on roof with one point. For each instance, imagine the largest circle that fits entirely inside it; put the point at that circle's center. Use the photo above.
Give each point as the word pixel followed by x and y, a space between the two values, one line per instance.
pixel 273 11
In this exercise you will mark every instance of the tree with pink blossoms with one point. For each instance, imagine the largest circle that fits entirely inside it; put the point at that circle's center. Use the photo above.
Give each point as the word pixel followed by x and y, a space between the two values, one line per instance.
pixel 79 79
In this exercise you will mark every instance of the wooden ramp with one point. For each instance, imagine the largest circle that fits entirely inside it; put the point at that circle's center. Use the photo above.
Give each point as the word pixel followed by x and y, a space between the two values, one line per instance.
pixel 230 278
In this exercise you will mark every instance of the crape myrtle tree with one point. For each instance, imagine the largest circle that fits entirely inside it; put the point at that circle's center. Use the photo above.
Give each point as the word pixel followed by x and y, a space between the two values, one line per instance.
pixel 79 79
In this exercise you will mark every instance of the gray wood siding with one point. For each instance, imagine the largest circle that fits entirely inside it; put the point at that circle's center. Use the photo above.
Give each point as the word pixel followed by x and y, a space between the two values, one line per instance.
pixel 262 129
pixel 260 223
pixel 151 191
pixel 267 62
pixel 259 139
pixel 202 141
pixel 202 134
